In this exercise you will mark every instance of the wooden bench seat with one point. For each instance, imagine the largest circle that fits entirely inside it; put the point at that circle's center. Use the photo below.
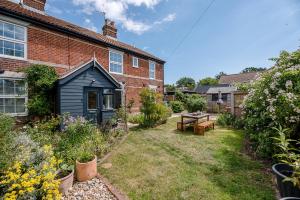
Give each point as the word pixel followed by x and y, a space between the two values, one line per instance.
pixel 200 129
pixel 186 123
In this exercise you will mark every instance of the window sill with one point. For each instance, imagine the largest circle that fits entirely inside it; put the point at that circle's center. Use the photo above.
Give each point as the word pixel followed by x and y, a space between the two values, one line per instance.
pixel 108 110
pixel 116 73
pixel 17 114
pixel 12 57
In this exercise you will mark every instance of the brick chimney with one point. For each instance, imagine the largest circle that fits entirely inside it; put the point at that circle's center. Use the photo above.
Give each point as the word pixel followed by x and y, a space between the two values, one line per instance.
pixel 35 4
pixel 109 29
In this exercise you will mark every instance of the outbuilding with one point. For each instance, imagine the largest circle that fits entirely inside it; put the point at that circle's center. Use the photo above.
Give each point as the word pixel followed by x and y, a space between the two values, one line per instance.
pixel 88 91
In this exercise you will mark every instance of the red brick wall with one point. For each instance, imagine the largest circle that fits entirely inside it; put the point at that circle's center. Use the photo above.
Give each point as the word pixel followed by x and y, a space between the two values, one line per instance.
pixel 37 4
pixel 63 52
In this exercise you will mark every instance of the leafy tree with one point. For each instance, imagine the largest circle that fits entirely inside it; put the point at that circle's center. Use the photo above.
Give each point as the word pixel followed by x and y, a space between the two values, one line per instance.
pixel 208 81
pixel 186 82
pixel 253 69
pixel 218 76
pixel 170 88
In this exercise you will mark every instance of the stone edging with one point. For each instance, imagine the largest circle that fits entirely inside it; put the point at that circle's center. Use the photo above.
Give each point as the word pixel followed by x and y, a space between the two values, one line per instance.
pixel 119 195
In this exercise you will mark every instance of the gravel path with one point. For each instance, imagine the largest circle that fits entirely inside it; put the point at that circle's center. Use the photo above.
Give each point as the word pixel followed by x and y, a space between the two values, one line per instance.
pixel 94 189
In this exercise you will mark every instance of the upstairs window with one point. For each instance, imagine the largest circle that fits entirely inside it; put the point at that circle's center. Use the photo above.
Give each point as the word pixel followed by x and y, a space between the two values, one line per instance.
pixel 135 62
pixel 12 40
pixel 115 62
pixel 13 96
pixel 152 70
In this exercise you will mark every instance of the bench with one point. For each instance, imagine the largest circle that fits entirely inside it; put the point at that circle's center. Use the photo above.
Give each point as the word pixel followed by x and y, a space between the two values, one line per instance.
pixel 200 129
pixel 185 124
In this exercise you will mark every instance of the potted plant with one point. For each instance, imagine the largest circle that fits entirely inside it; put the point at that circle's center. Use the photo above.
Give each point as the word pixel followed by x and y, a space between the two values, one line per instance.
pixel 65 175
pixel 288 171
pixel 86 166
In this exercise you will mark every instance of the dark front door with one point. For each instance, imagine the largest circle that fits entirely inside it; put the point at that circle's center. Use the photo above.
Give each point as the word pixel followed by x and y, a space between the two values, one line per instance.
pixel 93 104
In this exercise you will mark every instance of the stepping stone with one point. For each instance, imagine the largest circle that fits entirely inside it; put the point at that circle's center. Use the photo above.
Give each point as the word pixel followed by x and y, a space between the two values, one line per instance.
pixel 106 165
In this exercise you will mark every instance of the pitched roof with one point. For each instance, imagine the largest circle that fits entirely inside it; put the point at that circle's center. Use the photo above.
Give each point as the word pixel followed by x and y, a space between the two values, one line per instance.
pixel 203 89
pixel 238 78
pixel 216 90
pixel 18 11
pixel 92 63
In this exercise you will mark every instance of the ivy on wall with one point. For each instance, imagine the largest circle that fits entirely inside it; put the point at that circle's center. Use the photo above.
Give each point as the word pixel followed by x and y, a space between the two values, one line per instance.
pixel 41 81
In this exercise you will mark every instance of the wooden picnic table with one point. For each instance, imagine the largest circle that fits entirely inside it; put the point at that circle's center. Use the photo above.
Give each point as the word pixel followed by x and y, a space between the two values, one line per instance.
pixel 193 116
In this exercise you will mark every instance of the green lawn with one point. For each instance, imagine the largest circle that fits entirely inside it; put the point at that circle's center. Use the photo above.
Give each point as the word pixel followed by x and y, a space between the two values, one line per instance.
pixel 163 163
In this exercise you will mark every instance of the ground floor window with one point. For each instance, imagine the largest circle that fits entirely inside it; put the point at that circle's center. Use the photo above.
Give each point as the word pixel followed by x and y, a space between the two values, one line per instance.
pixel 108 97
pixel 13 96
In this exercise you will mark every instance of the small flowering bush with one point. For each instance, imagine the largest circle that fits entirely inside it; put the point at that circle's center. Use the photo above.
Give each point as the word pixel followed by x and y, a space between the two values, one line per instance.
pixel 152 109
pixel 273 99
pixel 34 181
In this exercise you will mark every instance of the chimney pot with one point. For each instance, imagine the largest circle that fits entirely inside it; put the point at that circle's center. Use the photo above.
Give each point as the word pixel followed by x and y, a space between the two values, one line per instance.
pixel 109 29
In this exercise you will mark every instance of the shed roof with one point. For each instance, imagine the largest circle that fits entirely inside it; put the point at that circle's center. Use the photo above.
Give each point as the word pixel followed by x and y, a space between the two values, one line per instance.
pixel 77 71
pixel 238 78
pixel 216 90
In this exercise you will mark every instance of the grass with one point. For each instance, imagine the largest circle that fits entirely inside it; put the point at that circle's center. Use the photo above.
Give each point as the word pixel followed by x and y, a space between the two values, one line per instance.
pixel 163 163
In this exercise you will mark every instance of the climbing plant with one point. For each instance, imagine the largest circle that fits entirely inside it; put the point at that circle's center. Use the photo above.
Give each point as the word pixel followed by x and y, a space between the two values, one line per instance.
pixel 41 81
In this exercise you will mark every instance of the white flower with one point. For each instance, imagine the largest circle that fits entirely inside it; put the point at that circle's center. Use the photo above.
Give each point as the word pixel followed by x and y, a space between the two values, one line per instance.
pixel 289 84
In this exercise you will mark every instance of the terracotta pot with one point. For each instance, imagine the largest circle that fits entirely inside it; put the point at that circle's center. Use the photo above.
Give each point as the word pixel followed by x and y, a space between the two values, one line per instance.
pixel 86 171
pixel 66 183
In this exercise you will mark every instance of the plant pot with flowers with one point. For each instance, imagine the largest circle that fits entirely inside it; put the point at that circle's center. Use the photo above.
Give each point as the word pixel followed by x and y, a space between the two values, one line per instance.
pixel 86 166
pixel 65 175
pixel 287 172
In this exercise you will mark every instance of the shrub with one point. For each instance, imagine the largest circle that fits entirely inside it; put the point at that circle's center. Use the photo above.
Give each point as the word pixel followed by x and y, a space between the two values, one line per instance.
pixel 288 154
pixel 41 81
pixel 195 103
pixel 6 138
pixel 35 181
pixel 273 99
pixel 229 120
pixel 78 136
pixel 179 96
pixel 154 112
pixel 136 119
pixel 177 106
pixel 225 119
pixel 45 132
pixel 6 125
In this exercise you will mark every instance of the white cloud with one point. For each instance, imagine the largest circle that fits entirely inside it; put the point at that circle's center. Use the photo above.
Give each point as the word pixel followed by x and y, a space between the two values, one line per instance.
pixel 53 9
pixel 168 18
pixel 117 10
pixel 90 25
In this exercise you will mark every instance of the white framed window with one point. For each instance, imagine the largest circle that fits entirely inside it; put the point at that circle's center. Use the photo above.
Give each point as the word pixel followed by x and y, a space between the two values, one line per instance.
pixel 135 62
pixel 115 62
pixel 108 99
pixel 153 87
pixel 13 96
pixel 13 40
pixel 152 70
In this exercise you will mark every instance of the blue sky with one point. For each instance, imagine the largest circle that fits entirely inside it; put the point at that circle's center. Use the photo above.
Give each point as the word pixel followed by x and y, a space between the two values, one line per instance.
pixel 232 35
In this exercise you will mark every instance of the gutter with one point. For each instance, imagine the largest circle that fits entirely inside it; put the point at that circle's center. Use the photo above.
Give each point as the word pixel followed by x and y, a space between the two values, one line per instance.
pixel 72 33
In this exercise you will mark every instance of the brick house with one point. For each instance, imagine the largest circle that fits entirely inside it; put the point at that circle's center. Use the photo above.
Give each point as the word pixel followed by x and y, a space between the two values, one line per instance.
pixel 29 36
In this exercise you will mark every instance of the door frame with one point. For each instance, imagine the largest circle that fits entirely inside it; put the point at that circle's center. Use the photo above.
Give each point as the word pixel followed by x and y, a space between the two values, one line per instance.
pixel 99 103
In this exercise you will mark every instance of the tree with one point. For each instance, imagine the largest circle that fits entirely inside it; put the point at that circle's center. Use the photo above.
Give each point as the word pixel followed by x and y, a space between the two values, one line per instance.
pixel 170 88
pixel 186 82
pixel 218 76
pixel 253 69
pixel 208 81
